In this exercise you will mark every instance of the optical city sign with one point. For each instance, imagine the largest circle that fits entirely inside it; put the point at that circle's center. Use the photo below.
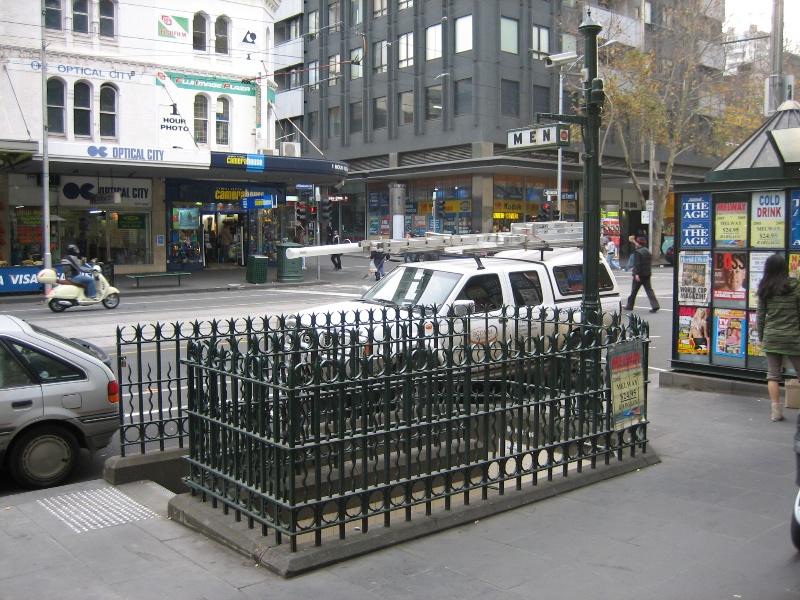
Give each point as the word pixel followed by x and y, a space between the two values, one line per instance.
pixel 107 153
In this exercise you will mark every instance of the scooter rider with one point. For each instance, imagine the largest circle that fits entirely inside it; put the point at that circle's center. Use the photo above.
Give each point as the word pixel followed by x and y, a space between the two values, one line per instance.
pixel 78 272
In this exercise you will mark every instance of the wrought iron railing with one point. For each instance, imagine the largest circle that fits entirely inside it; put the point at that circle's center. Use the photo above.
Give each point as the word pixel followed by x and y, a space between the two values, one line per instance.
pixel 304 426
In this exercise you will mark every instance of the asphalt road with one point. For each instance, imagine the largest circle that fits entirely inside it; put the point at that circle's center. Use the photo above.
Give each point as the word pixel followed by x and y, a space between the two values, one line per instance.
pixel 99 326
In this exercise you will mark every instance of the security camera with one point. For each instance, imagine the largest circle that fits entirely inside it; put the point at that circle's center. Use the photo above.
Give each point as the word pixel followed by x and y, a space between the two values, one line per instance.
pixel 559 60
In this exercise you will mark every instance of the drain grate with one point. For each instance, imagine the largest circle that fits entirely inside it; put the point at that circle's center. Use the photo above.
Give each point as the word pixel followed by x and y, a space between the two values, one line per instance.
pixel 96 509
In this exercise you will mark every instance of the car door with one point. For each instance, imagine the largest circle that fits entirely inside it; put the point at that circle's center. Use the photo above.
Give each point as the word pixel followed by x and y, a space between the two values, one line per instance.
pixel 20 395
pixel 487 321
pixel 529 303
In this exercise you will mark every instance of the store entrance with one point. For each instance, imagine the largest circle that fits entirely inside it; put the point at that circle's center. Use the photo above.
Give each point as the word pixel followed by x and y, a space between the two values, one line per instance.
pixel 225 238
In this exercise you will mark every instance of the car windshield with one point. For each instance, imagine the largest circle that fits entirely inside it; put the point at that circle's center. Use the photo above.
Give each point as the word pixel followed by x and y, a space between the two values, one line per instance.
pixel 63 340
pixel 412 286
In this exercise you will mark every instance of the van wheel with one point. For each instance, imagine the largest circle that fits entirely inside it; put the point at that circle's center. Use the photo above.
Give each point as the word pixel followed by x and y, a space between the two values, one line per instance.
pixel 44 457
pixel 56 306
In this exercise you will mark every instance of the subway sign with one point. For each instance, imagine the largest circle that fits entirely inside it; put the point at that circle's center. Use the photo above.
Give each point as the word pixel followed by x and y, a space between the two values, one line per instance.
pixel 546 136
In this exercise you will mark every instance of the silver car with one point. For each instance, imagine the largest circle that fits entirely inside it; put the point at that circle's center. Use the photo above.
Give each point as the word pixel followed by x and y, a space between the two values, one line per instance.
pixel 57 396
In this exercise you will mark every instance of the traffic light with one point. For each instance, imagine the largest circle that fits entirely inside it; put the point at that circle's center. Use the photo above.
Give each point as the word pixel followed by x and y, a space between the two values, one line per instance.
pixel 555 215
pixel 440 206
pixel 312 211
pixel 544 212
pixel 325 209
pixel 300 211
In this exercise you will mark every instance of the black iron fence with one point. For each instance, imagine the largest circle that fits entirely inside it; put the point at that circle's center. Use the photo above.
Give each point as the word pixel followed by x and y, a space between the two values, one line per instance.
pixel 304 426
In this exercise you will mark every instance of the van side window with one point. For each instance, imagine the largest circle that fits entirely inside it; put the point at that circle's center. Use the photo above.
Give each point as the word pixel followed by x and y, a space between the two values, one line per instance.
pixel 49 369
pixel 526 288
pixel 569 279
pixel 485 291
pixel 11 372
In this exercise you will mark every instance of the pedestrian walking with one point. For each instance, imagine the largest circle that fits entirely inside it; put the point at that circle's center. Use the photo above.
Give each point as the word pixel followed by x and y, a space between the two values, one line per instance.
pixel 642 270
pixel 336 259
pixel 631 249
pixel 378 258
pixel 225 240
pixel 611 255
pixel 778 324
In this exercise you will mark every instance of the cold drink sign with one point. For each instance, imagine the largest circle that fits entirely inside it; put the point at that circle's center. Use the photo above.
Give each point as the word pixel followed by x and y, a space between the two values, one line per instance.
pixel 768 219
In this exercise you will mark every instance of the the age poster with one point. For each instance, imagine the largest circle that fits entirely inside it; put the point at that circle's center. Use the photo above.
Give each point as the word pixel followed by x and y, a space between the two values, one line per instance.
pixel 730 224
pixel 730 275
pixel 693 336
pixel 753 341
pixel 729 330
pixel 768 220
pixel 694 278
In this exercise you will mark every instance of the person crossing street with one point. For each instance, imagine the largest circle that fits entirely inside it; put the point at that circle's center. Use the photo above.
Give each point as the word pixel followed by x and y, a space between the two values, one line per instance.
pixel 642 270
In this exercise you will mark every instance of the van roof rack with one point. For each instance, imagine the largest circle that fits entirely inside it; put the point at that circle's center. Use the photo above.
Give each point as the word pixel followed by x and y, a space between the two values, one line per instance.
pixel 523 236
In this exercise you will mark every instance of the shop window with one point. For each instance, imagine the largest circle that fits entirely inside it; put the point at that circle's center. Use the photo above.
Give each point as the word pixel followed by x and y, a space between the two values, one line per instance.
pixel 108 111
pixel 406 107
pixel 52 14
pixel 379 119
pixel 55 106
pixel 107 18
pixel 201 119
pixel 80 16
pixel 356 57
pixel 433 42
pixel 221 35
pixel 509 98
pixel 199 33
pixel 356 14
pixel 405 50
pixel 82 110
pixel 356 117
pixel 463 34
pixel 223 120
pixel 509 35
pixel 433 103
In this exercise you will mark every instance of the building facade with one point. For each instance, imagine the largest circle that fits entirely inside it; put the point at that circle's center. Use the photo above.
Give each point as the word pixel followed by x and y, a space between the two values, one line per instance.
pixel 160 133
pixel 418 98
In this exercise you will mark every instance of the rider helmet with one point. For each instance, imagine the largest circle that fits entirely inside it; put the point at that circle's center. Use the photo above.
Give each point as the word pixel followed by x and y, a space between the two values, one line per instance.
pixel 73 250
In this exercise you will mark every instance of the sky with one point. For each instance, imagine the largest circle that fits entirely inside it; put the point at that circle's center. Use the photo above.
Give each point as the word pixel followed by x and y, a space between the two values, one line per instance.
pixel 740 14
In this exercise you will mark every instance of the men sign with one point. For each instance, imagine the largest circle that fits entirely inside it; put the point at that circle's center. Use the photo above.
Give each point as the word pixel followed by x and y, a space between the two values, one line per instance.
pixel 546 136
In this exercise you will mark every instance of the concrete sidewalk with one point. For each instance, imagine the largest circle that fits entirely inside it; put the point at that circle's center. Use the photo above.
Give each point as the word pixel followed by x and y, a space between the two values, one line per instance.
pixel 711 521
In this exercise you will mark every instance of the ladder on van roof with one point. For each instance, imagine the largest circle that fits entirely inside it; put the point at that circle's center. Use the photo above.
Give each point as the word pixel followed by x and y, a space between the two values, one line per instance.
pixel 523 236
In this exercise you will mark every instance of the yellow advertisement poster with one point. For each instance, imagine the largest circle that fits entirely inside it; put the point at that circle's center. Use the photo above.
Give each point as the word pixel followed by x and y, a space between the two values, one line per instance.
pixel 768 220
pixel 730 224
pixel 627 382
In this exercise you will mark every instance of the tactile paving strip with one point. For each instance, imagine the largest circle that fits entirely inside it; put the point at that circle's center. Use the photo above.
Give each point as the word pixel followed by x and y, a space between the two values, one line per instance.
pixel 96 509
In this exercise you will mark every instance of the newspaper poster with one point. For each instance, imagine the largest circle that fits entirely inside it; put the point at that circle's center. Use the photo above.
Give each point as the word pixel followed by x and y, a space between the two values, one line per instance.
pixel 757 261
pixel 693 337
pixel 729 328
pixel 694 278
pixel 794 219
pixel 753 341
pixel 768 219
pixel 794 265
pixel 730 224
pixel 626 364
pixel 730 275
pixel 696 221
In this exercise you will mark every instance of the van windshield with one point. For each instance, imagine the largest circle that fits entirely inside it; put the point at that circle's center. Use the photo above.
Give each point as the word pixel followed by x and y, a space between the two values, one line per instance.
pixel 412 286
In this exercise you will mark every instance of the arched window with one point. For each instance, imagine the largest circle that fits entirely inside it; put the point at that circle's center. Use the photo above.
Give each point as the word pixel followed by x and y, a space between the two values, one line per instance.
pixel 223 120
pixel 201 119
pixel 107 18
pixel 82 110
pixel 80 16
pixel 199 33
pixel 108 111
pixel 55 106
pixel 221 36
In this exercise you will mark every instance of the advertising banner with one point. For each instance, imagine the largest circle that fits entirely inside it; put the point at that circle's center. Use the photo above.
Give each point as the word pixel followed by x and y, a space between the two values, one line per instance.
pixel 730 275
pixel 768 220
pixel 694 278
pixel 627 381
pixel 730 224
pixel 693 337
pixel 794 220
pixel 696 221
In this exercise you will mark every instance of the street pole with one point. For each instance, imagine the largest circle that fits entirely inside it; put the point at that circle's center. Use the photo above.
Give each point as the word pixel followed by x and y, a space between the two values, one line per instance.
pixel 594 98
pixel 47 259
pixel 560 150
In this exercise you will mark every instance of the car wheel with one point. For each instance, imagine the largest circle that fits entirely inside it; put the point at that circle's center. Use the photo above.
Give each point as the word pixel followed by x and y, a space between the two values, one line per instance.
pixel 111 301
pixel 795 533
pixel 56 306
pixel 44 457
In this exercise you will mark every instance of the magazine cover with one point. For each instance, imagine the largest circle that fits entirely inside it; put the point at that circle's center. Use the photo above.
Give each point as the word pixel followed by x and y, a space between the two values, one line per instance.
pixel 729 327
pixel 755 273
pixel 730 275
pixel 693 337
pixel 730 224
pixel 694 278
pixel 753 341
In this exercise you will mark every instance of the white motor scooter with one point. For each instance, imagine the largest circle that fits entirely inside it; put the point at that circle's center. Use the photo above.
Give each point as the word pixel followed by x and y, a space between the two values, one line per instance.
pixel 66 294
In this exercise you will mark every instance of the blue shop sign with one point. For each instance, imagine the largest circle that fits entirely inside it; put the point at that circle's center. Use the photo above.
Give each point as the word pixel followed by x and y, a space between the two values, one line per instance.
pixel 696 221
pixel 258 202
pixel 21 279
pixel 794 216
